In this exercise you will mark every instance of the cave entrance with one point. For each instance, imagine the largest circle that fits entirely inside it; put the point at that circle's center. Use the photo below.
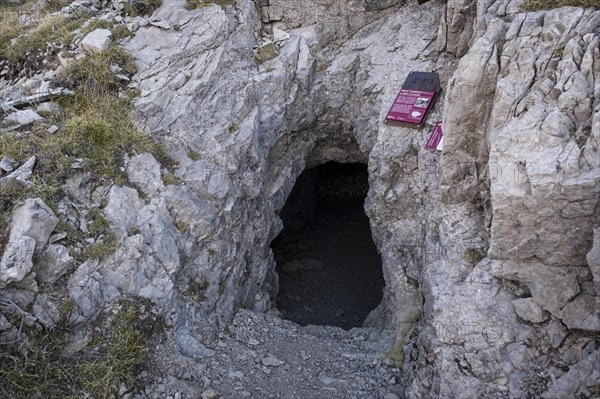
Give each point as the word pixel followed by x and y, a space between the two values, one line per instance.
pixel 329 269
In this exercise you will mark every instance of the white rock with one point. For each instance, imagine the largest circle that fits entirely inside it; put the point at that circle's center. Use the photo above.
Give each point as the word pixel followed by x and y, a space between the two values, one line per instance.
pixel 49 107
pixel 163 24
pixel 22 118
pixel 33 219
pixel 209 394
pixel 97 40
pixel 16 260
pixel 528 309
pixel 24 172
pixel 6 164
pixel 280 35
pixel 144 170
pixel 46 311
pixel 53 263
pixel 583 313
pixel 271 361
pixel 593 260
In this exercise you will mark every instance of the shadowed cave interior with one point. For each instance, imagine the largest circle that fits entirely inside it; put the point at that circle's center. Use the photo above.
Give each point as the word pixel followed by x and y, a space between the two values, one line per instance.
pixel 329 268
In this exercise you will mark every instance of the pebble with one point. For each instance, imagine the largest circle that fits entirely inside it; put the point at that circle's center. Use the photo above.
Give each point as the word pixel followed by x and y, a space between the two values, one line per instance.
pixel 271 361
pixel 209 394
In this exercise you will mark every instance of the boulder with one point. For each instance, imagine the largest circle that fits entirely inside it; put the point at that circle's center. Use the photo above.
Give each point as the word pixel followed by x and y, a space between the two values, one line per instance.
pixel 583 313
pixel 22 118
pixel 53 263
pixel 144 171
pixel 528 309
pixel 33 219
pixel 593 260
pixel 24 172
pixel 97 40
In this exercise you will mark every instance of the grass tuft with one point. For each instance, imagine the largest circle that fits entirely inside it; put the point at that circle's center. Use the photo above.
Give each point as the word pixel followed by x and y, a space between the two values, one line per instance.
pixel 136 8
pixel 41 370
pixel 196 4
pixel 266 53
pixel 537 5
pixel 55 29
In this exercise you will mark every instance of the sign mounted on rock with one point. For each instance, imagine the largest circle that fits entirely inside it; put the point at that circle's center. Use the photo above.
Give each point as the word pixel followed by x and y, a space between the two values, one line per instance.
pixel 436 138
pixel 415 100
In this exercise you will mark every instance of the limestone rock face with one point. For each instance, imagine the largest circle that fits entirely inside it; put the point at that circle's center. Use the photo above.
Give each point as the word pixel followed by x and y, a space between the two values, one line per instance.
pixel 517 184
pixel 31 227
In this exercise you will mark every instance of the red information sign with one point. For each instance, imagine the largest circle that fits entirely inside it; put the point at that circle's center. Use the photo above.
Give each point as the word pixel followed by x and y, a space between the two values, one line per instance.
pixel 416 98
pixel 436 138
pixel 411 106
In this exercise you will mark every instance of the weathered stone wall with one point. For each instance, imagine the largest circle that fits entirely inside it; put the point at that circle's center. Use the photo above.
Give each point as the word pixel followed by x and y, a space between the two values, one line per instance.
pixel 488 256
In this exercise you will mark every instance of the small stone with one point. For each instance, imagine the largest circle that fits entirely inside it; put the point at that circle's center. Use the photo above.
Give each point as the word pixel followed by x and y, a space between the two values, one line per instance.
pixel 279 35
pixel 52 129
pixel 30 86
pixel 97 40
pixel 271 361
pixel 24 172
pixel 56 237
pixel 556 333
pixel 53 263
pixel 528 309
pixel 209 394
pixel 253 342
pixel 6 164
pixel 161 24
pixel 22 118
pixel 48 107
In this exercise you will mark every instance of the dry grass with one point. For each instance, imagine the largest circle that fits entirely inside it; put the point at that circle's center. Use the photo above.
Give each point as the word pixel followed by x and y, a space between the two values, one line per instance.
pixel 195 4
pixel 536 5
pixel 41 370
pixel 50 30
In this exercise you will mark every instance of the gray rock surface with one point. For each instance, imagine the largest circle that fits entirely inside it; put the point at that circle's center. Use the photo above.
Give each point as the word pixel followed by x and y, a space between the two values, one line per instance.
pixel 593 260
pixel 23 173
pixel 22 118
pixel 489 253
pixel 528 309
pixel 53 263
pixel 97 40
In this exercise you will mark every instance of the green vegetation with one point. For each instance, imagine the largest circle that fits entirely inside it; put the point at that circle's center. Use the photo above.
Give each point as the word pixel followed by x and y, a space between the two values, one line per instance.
pixel 51 30
pixel 197 289
pixel 120 32
pixel 193 155
pixel 124 354
pixel 97 127
pixel 536 5
pixel 396 353
pixel 473 255
pixel 106 243
pixel 170 179
pixel 42 371
pixel 182 226
pixel 141 7
pixel 195 4
pixel 266 53
pixel 233 128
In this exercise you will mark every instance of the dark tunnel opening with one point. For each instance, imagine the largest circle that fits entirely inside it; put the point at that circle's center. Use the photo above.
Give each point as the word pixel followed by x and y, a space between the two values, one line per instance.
pixel 329 269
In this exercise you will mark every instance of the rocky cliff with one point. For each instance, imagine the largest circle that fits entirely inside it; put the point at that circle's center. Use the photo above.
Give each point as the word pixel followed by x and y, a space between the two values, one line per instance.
pixel 490 249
